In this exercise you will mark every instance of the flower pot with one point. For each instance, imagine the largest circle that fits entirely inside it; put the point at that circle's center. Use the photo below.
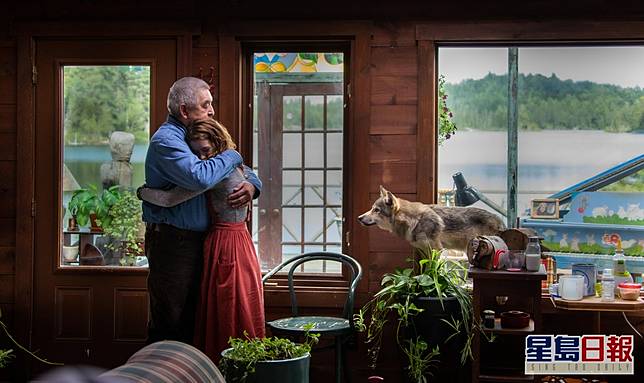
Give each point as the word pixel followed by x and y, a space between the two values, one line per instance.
pixel 294 370
pixel 430 325
pixel 94 224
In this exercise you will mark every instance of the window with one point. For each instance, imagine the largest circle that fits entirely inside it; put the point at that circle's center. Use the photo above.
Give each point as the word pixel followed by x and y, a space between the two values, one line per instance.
pixel 580 111
pixel 298 141
pixel 106 125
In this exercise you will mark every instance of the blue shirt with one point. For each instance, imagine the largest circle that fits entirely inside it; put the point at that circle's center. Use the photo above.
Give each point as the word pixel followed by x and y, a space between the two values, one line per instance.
pixel 170 162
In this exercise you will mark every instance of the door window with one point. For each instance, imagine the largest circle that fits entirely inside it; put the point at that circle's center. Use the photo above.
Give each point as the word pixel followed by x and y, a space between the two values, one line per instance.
pixel 106 129
pixel 298 142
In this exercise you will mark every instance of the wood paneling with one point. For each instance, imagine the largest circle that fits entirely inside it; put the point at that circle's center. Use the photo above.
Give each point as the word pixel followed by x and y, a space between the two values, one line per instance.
pixel 392 148
pixel 427 183
pixel 6 288
pixel 400 61
pixel 73 313
pixel 382 262
pixel 131 314
pixel 391 90
pixel 393 119
pixel 399 177
pixel 7 75
pixel 7 232
pixel 7 189
pixel 8 120
pixel 205 64
pixel 7 260
pixel 393 34
pixel 8 142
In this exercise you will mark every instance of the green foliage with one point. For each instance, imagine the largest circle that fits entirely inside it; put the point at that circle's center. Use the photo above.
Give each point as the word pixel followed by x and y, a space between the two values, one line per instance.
pixel 429 276
pixel 92 201
pixel 446 127
pixel 547 103
pixel 125 217
pixel 5 357
pixel 101 99
pixel 240 360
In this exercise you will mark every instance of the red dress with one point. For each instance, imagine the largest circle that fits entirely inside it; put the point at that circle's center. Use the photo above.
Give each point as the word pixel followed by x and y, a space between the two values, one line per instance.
pixel 232 297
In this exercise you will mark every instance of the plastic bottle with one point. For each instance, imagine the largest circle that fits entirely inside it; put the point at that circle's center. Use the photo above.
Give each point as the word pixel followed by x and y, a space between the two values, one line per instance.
pixel 533 254
pixel 608 286
pixel 619 265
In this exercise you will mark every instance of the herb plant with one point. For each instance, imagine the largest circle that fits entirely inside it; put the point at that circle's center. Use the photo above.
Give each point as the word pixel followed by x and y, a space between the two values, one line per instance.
pixel 429 276
pixel 240 360
pixel 124 220
pixel 92 201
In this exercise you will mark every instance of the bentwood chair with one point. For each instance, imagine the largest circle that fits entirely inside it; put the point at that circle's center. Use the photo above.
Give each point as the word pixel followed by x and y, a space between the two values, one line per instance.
pixel 340 328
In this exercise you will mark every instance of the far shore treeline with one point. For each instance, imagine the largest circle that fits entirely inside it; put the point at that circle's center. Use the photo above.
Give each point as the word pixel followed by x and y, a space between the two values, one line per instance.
pixel 546 103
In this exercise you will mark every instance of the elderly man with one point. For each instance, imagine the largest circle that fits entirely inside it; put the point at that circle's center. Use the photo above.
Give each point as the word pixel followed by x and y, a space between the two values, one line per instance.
pixel 174 235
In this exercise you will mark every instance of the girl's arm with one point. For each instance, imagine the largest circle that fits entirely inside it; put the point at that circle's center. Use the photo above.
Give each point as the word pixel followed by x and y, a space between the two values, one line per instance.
pixel 166 198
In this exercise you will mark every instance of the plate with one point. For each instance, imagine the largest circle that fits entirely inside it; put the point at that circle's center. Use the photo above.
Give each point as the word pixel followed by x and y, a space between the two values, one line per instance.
pixel 513 269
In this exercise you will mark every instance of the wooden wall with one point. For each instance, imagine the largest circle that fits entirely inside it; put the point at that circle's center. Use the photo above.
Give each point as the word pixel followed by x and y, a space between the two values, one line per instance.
pixel 7 177
pixel 393 108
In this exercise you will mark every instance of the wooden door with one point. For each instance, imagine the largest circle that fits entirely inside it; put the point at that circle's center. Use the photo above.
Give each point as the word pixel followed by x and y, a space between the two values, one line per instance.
pixel 293 161
pixel 86 314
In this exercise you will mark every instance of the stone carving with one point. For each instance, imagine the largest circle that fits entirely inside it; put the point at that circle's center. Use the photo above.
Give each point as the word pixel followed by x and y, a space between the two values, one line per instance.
pixel 119 170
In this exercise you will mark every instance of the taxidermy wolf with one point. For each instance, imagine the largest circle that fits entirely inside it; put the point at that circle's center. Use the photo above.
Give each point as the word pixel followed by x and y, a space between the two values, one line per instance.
pixel 423 225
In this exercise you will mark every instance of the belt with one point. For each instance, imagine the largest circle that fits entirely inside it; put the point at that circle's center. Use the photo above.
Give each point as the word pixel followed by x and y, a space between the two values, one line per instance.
pixel 173 230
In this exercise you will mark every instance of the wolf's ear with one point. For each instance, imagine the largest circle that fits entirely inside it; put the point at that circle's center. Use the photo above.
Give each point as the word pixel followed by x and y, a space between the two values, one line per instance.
pixel 383 191
pixel 390 199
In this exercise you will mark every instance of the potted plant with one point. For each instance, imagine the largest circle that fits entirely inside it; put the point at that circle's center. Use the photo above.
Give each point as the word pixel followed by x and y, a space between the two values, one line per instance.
pixel 433 309
pixel 275 360
pixel 90 204
pixel 122 227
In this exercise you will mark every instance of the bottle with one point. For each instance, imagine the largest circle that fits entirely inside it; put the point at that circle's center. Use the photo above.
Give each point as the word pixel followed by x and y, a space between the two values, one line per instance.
pixel 608 286
pixel 619 265
pixel 533 254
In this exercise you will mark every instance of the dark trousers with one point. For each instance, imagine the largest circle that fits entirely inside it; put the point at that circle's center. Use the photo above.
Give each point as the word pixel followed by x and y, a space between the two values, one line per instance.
pixel 175 259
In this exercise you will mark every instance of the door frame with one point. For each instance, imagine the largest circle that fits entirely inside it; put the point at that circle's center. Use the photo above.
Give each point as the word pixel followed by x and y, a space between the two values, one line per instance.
pixel 26 210
pixel 234 83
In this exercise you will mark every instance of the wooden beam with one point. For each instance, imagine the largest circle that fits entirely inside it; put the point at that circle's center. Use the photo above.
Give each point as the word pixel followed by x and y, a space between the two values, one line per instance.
pixel 531 31
pixel 426 147
pixel 108 29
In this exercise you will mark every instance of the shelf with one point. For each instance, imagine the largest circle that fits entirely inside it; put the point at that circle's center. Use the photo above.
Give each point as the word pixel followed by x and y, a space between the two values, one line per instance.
pixel 476 273
pixel 83 230
pixel 510 331
pixel 596 304
pixel 506 378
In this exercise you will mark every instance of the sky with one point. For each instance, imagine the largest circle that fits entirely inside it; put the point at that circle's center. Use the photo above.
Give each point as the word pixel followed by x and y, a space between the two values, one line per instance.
pixel 623 66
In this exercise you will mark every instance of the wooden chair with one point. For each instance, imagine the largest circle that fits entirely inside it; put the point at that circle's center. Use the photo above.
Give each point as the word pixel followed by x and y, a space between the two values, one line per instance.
pixel 341 328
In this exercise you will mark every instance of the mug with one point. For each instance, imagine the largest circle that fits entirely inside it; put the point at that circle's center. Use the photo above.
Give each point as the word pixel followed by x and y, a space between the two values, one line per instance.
pixel 586 270
pixel 70 253
pixel 571 287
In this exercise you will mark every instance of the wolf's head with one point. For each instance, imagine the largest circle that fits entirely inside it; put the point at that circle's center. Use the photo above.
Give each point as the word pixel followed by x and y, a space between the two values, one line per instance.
pixel 382 212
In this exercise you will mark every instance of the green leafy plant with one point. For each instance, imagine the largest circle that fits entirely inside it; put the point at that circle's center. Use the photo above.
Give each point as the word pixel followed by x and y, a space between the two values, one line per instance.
pixel 239 361
pixel 124 219
pixel 92 201
pixel 429 276
pixel 446 127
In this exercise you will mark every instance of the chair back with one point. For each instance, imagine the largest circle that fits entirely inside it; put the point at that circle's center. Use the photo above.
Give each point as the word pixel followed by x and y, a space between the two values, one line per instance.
pixel 298 260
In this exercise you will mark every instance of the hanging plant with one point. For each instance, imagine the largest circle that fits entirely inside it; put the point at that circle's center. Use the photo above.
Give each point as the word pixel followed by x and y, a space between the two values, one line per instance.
pixel 446 127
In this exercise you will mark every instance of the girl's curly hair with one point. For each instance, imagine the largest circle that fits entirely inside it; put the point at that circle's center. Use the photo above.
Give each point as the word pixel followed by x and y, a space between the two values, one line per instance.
pixel 214 131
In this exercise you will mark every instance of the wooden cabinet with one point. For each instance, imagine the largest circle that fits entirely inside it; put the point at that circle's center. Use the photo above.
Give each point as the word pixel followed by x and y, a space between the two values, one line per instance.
pixel 503 359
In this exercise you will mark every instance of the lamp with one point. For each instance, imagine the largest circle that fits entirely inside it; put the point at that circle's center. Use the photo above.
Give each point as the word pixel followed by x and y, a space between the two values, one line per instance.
pixel 467 195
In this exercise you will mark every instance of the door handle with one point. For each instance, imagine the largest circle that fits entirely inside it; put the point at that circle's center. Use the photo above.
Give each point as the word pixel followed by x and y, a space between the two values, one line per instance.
pixel 262 211
pixel 276 211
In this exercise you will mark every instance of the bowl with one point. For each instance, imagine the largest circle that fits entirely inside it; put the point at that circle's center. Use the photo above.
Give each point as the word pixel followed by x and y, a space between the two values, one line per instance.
pixel 515 319
pixel 629 291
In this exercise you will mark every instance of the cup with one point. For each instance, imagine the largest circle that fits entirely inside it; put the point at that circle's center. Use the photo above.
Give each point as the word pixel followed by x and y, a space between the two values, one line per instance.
pixel 70 253
pixel 589 273
pixel 571 287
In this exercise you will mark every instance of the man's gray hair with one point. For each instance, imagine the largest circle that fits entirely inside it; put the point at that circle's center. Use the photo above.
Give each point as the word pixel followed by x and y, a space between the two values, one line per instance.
pixel 184 91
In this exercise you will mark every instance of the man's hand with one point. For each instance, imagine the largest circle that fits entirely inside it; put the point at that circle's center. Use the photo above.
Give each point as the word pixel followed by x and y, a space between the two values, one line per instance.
pixel 242 195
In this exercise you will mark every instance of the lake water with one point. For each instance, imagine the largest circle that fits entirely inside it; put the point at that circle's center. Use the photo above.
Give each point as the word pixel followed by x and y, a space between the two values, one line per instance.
pixel 549 161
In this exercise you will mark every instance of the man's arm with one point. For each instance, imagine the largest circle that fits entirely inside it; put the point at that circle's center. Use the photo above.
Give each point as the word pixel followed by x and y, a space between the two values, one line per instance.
pixel 247 190
pixel 181 167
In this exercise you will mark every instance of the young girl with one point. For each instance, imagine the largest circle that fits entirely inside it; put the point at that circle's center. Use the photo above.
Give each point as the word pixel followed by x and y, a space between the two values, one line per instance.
pixel 232 297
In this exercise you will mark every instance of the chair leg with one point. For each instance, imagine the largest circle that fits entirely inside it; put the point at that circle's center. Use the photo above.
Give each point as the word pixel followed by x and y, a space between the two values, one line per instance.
pixel 338 359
